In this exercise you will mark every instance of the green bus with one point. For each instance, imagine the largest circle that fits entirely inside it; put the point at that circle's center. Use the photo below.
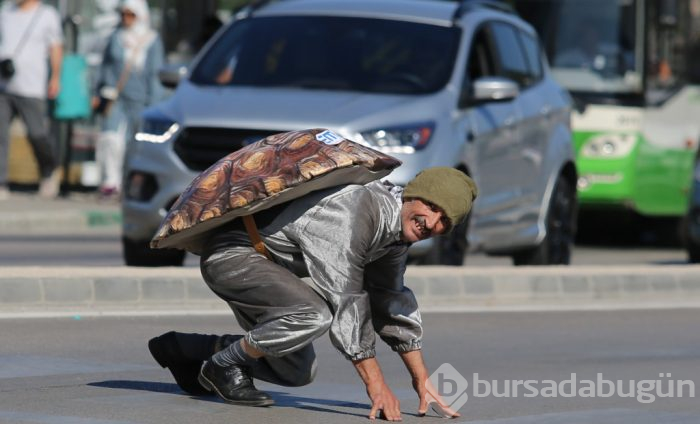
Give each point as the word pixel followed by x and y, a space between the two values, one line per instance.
pixel 633 69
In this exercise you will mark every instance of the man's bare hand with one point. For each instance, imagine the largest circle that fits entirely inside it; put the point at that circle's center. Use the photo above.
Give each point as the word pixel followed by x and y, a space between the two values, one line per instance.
pixel 428 394
pixel 379 393
pixel 53 88
pixel 384 401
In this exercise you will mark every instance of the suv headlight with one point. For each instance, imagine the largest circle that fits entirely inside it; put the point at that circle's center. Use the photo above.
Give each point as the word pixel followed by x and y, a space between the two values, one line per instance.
pixel 609 146
pixel 156 128
pixel 403 139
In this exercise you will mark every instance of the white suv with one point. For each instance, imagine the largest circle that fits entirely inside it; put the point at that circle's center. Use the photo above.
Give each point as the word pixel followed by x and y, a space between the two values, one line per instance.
pixel 432 83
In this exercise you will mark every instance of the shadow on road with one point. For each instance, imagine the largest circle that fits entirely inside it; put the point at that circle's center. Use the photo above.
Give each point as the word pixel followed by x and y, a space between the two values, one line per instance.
pixel 148 386
pixel 282 399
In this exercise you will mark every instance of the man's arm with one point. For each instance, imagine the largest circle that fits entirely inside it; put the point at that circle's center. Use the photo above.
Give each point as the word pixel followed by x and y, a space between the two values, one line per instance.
pixel 395 314
pixel 379 393
pixel 54 39
pixel 334 239
pixel 419 375
pixel 55 59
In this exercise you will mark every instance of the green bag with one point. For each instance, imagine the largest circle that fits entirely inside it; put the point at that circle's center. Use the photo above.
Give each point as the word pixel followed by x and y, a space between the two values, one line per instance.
pixel 73 101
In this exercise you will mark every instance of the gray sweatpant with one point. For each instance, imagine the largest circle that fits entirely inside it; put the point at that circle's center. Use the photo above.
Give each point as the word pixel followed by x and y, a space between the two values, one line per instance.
pixel 281 313
pixel 33 113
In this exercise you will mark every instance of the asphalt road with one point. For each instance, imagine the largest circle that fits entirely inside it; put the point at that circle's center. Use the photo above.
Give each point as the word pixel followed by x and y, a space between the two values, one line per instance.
pixel 98 370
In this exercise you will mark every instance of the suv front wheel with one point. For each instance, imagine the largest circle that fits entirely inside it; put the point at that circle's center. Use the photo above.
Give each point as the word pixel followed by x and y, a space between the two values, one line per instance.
pixel 138 253
pixel 558 242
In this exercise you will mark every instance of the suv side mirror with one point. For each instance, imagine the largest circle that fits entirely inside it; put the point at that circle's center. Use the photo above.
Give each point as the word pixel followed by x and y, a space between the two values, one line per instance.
pixel 170 75
pixel 490 89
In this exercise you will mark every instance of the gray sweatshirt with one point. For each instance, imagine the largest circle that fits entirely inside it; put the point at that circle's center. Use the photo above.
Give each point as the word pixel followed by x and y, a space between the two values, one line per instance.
pixel 347 240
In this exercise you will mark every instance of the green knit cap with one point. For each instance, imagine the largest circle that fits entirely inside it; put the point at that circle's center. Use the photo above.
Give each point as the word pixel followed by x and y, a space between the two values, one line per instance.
pixel 448 188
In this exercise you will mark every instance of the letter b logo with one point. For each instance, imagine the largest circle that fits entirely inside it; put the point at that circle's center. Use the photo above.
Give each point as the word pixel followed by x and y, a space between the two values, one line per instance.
pixel 451 385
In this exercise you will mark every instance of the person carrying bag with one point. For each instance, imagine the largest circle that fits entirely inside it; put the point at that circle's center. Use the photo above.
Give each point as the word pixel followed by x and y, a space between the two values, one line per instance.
pixel 7 65
pixel 108 95
pixel 128 83
pixel 31 48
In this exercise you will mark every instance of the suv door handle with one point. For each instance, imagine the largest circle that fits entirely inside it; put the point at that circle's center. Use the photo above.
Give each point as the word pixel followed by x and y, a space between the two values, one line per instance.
pixel 469 137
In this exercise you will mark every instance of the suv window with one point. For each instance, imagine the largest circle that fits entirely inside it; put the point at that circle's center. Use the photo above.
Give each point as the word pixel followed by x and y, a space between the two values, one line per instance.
pixel 510 54
pixel 481 61
pixel 332 53
pixel 534 57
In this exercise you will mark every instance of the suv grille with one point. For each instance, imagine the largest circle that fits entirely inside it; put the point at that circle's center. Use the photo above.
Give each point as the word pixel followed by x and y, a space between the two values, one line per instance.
pixel 199 148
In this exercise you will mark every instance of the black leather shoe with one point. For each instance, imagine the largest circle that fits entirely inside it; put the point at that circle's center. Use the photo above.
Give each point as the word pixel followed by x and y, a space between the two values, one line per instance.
pixel 166 351
pixel 233 385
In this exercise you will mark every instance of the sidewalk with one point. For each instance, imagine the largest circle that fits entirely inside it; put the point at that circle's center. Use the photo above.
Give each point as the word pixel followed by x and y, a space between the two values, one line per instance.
pixel 26 213
pixel 90 291
pixel 52 291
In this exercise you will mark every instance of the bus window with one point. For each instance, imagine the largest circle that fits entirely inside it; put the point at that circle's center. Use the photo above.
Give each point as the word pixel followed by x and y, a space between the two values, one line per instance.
pixel 591 45
pixel 669 49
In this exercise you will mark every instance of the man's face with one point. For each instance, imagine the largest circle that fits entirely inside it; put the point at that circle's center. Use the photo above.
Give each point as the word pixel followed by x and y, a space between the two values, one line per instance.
pixel 421 220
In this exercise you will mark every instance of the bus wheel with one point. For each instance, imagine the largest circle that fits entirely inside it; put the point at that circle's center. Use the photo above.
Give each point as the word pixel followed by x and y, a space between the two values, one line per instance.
pixel 558 243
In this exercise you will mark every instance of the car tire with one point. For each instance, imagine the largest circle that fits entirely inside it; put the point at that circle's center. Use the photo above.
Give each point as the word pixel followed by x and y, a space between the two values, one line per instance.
pixel 692 247
pixel 449 249
pixel 690 220
pixel 558 243
pixel 693 252
pixel 138 253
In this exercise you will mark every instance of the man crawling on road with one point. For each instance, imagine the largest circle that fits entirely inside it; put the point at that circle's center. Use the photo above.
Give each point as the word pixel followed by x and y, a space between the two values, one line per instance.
pixel 352 241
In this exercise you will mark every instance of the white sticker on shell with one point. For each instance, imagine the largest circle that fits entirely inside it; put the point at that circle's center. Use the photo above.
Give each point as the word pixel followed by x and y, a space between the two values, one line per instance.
pixel 329 137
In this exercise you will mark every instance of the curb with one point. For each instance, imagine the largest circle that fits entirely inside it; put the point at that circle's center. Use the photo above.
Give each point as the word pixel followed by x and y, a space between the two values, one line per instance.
pixel 40 291
pixel 59 221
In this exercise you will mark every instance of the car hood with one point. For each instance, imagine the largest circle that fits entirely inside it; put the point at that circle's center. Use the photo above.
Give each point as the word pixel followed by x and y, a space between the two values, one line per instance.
pixel 282 108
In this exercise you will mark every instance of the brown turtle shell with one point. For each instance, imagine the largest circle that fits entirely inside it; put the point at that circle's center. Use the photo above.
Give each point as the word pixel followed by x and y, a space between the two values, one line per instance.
pixel 271 171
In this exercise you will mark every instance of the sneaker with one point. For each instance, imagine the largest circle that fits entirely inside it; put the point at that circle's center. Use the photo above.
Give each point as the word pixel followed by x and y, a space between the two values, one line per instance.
pixel 233 385
pixel 4 192
pixel 109 194
pixel 49 186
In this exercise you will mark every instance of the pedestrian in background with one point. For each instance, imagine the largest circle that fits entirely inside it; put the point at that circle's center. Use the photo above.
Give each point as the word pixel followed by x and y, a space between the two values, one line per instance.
pixel 128 82
pixel 29 32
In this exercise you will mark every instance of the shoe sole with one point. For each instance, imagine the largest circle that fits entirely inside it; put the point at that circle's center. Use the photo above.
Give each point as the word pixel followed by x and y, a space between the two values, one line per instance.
pixel 210 386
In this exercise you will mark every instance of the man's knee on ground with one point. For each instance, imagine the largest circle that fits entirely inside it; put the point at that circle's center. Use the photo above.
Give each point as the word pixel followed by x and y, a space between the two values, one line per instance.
pixel 300 375
pixel 305 376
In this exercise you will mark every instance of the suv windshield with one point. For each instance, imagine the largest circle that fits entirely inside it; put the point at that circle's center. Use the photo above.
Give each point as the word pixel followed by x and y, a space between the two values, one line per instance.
pixel 592 45
pixel 331 53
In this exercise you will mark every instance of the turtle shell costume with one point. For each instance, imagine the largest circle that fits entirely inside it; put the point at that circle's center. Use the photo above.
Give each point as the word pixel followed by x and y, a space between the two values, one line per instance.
pixel 269 172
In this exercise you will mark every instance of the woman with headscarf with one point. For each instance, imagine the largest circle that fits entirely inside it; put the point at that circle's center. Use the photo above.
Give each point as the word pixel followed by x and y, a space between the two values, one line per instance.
pixel 129 76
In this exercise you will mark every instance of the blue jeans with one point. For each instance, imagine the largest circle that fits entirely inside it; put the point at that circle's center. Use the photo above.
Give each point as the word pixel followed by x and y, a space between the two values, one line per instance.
pixel 32 111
